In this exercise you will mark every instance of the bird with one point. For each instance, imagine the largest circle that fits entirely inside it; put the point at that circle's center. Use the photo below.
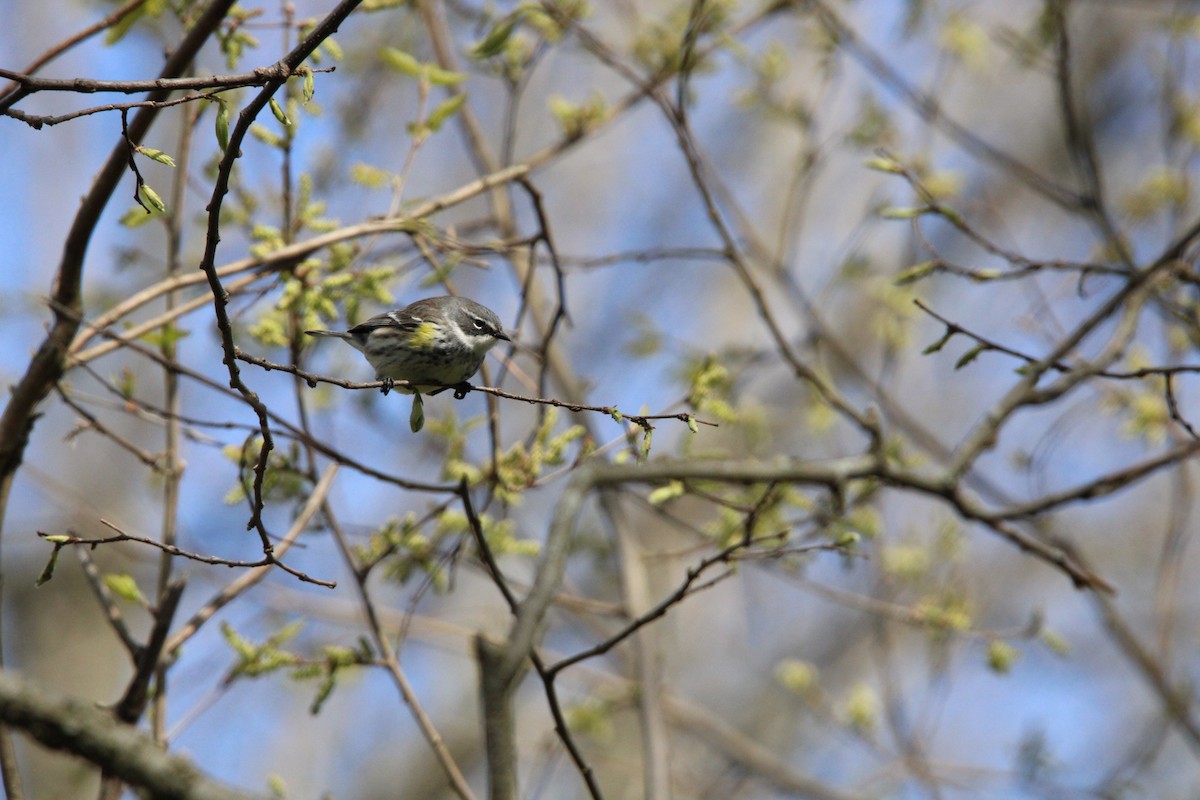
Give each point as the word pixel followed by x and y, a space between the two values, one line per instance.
pixel 432 344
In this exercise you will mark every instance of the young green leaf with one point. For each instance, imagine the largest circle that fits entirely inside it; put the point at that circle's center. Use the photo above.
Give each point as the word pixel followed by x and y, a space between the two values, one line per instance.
pixel 369 176
pixel 644 450
pixel 310 83
pixel 1056 642
pixel 884 164
pixel 48 570
pixel 334 49
pixel 939 344
pixel 151 199
pixel 136 217
pixel 1001 656
pixel 901 212
pixel 443 77
pixel 444 110
pixel 915 273
pixel 222 125
pixel 402 62
pixel 970 356
pixel 277 110
pixel 496 38
pixel 124 587
pixel 796 675
pixel 416 420
pixel 156 155
pixel 664 493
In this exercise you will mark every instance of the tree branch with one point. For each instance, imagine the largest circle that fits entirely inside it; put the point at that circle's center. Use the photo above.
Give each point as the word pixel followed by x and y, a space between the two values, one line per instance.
pixel 79 728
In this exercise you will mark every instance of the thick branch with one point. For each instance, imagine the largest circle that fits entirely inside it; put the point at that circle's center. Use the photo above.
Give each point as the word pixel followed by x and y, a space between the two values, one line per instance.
pixel 499 720
pixel 79 728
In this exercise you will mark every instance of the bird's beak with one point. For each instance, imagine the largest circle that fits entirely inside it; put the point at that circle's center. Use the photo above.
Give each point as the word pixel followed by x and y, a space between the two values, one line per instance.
pixel 503 335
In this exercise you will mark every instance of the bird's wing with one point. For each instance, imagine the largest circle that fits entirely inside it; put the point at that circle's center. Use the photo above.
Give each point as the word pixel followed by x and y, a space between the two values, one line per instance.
pixel 391 319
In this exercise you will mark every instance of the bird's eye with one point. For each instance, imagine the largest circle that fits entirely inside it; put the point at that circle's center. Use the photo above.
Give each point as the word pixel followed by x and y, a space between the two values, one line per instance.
pixel 479 324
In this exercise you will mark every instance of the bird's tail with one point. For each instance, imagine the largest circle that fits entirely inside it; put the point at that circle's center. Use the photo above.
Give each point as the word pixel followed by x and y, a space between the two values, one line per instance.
pixel 334 334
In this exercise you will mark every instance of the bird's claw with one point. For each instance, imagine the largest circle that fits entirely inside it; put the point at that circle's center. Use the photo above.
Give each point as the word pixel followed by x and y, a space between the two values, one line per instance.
pixel 461 389
pixel 387 384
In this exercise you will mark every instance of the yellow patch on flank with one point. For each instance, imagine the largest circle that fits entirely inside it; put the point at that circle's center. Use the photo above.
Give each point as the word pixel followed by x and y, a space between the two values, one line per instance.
pixel 424 336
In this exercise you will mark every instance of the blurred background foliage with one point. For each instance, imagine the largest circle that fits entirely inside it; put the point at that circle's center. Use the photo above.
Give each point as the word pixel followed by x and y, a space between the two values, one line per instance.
pixel 814 230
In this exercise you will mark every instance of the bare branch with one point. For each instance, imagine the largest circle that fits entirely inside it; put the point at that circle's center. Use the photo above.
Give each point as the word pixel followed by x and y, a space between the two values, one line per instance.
pixel 461 389
pixel 253 576
pixel 54 52
pixel 69 539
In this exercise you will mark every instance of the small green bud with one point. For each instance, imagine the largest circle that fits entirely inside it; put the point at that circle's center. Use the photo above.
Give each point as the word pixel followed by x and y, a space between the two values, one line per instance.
pixel 444 110
pixel 796 676
pixel 222 124
pixel 969 356
pixel 496 38
pixel 416 419
pixel 664 493
pixel 401 62
pixel 1001 656
pixel 156 155
pixel 124 587
pixel 277 110
pixel 902 212
pixel 151 198
pixel 884 164
pixel 915 273
pixel 310 84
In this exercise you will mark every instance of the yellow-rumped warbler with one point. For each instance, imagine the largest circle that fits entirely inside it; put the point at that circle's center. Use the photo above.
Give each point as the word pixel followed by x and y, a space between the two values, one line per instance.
pixel 434 343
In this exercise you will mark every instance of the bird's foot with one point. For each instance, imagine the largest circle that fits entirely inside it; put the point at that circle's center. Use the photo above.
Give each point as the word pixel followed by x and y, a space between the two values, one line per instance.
pixel 387 384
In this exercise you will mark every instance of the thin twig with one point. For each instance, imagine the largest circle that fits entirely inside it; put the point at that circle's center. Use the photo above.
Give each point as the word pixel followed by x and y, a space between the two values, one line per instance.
pixel 267 561
pixel 735 552
pixel 391 661
pixel 112 611
pixel 641 420
pixel 955 328
pixel 54 52
pixel 257 77
pixel 251 577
